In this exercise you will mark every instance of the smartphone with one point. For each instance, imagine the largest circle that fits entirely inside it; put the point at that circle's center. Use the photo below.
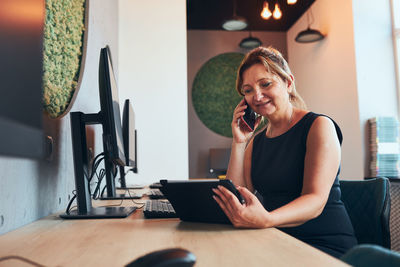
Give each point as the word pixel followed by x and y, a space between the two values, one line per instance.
pixel 249 119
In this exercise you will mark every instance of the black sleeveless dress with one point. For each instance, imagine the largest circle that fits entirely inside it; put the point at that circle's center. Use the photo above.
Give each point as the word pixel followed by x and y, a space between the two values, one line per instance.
pixel 277 170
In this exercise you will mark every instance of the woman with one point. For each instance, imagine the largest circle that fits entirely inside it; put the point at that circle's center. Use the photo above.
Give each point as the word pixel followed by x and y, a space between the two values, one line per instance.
pixel 293 163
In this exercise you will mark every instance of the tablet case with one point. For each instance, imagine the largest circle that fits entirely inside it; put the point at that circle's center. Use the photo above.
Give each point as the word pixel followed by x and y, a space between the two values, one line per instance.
pixel 193 202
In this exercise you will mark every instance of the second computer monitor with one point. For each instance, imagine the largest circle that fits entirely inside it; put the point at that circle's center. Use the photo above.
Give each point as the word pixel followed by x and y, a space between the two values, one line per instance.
pixel 129 134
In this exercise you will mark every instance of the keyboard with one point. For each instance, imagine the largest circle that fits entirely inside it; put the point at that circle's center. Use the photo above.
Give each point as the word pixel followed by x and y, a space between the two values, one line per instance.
pixel 155 194
pixel 158 209
pixel 155 185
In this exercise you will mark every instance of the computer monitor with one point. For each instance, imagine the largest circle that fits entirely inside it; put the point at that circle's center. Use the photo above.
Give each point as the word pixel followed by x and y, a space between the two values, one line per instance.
pixel 109 117
pixel 130 135
pixel 112 128
pixel 109 102
pixel 130 142
pixel 21 72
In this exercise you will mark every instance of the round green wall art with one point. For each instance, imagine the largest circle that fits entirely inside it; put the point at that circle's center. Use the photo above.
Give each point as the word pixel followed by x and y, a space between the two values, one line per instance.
pixel 213 92
pixel 63 48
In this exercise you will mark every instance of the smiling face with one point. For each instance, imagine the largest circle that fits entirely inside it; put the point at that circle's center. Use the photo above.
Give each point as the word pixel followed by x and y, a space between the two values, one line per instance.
pixel 265 92
pixel 267 64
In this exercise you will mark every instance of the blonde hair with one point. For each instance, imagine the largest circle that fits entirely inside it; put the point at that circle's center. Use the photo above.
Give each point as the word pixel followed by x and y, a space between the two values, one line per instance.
pixel 274 63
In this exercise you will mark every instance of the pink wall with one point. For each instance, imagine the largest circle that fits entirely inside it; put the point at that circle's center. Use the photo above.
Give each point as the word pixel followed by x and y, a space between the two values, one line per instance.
pixel 350 74
pixel 325 72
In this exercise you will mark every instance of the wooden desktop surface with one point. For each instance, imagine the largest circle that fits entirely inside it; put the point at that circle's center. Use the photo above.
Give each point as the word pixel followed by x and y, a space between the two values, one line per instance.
pixel 53 241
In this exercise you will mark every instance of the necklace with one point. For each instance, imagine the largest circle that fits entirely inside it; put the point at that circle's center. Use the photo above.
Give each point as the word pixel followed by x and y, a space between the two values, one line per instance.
pixel 288 124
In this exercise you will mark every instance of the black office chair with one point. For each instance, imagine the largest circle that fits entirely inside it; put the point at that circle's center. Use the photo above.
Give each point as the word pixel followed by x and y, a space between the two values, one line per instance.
pixel 218 161
pixel 395 214
pixel 368 205
pixel 371 256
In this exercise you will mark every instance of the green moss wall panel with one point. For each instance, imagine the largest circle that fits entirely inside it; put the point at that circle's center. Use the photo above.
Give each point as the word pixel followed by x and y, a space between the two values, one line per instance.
pixel 63 45
pixel 213 92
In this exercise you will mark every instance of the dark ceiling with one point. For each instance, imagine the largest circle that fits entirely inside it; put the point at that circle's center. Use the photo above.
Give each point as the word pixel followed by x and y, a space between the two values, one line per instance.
pixel 209 14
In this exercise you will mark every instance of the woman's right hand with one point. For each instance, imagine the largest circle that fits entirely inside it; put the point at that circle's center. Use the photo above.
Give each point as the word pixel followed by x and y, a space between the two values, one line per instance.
pixel 241 134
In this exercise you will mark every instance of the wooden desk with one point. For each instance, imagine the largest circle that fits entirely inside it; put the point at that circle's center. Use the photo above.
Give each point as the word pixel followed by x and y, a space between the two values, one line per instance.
pixel 115 242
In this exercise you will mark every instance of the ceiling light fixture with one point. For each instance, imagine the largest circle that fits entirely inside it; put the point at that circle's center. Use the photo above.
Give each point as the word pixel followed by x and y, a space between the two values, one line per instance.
pixel 250 42
pixel 309 35
pixel 277 12
pixel 266 13
pixel 291 2
pixel 235 23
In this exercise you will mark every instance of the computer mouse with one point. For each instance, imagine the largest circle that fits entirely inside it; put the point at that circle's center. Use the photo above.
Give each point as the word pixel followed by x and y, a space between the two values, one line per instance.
pixel 178 257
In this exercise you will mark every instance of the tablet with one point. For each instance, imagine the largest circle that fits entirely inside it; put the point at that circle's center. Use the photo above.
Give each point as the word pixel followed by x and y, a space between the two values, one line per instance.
pixel 193 202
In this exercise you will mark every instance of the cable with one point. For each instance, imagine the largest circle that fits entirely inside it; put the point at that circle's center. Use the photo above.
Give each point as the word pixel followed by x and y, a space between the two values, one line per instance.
pixel 93 171
pixel 14 257
pixel 95 165
pixel 101 154
pixel 73 208
pixel 70 202
pixel 114 172
pixel 102 191
pixel 137 203
pixel 100 176
pixel 122 200
pixel 115 205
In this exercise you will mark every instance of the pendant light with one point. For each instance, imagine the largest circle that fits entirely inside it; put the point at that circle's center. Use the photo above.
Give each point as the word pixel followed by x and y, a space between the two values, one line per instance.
pixel 250 42
pixel 235 23
pixel 277 12
pixel 266 13
pixel 309 35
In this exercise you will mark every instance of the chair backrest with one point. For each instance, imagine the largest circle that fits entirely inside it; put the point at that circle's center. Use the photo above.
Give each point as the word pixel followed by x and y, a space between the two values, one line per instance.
pixel 395 214
pixel 219 160
pixel 371 255
pixel 368 205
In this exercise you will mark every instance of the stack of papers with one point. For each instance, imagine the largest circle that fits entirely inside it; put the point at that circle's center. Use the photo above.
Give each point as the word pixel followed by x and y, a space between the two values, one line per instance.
pixel 384 147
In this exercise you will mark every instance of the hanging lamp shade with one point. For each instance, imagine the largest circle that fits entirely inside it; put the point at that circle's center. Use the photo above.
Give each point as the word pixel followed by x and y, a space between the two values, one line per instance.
pixel 309 35
pixel 250 42
pixel 236 23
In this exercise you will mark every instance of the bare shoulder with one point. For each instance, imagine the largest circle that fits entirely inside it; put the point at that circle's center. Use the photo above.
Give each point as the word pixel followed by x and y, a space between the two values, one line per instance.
pixel 322 127
pixel 322 123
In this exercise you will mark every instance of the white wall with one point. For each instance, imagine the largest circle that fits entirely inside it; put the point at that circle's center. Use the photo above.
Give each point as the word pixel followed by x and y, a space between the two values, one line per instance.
pixel 376 77
pixel 202 46
pixel 153 75
pixel 31 189
pixel 326 77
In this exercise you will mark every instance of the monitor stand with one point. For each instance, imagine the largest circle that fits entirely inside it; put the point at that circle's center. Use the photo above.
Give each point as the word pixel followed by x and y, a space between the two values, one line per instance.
pixel 100 213
pixel 84 209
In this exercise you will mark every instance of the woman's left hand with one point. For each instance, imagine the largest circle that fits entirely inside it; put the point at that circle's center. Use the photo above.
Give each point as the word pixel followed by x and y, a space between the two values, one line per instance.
pixel 252 214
